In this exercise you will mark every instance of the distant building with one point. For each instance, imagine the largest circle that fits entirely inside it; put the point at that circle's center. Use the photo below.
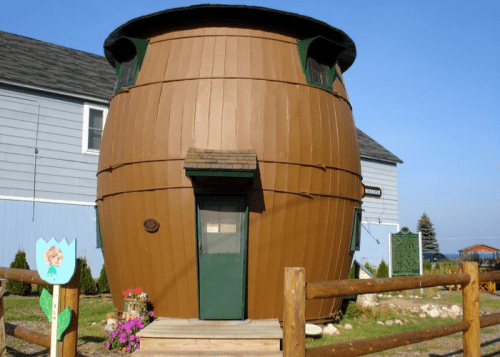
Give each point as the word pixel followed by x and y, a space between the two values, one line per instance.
pixel 53 106
pixel 53 103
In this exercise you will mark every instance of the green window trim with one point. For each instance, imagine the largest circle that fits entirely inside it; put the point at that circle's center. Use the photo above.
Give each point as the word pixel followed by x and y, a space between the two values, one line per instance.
pixel 134 64
pixel 303 48
pixel 355 244
pixel 222 173
pixel 98 229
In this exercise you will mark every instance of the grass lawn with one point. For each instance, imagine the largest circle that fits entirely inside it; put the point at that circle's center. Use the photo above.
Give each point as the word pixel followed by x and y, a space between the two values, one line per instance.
pixel 93 309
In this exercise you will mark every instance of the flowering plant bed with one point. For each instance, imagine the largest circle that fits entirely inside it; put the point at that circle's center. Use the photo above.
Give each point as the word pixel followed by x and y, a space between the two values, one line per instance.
pixel 124 337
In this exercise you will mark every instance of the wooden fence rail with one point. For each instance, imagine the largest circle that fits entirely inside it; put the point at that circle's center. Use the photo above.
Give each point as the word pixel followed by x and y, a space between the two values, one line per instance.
pixel 297 291
pixel 69 295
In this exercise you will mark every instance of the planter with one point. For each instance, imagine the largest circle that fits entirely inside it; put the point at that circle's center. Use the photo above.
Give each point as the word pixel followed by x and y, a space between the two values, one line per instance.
pixel 133 308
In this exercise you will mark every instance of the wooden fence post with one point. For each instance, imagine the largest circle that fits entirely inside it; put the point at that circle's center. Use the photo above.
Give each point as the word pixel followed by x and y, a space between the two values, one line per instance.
pixel 70 296
pixel 294 324
pixel 3 345
pixel 470 294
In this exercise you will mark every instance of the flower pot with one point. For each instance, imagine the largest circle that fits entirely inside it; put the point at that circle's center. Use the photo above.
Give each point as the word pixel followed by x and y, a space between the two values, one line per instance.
pixel 133 308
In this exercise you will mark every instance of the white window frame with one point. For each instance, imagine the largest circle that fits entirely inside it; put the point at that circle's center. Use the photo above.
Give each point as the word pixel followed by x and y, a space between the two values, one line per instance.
pixel 85 131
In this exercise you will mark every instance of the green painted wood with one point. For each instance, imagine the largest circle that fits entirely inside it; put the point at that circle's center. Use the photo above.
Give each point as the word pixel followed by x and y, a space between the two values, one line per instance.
pixel 220 173
pixel 222 234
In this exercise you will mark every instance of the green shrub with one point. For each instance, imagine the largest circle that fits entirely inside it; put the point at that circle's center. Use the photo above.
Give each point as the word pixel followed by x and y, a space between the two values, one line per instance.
pixel 49 288
pixel 17 287
pixel 87 283
pixel 383 270
pixel 369 268
pixel 437 268
pixel 102 282
pixel 427 265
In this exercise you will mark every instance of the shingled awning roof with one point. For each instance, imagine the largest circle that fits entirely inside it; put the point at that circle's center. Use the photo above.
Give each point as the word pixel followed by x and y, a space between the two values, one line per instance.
pixel 221 163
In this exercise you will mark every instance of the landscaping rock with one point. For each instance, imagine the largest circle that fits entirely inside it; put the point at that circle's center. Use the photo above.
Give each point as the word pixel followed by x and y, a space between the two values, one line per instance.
pixel 423 315
pixel 330 330
pixel 109 328
pixel 457 309
pixel 444 315
pixel 400 296
pixel 380 323
pixel 313 330
pixel 389 322
pixel 348 326
pixel 111 321
pixel 433 313
pixel 425 307
pixel 398 322
pixel 452 314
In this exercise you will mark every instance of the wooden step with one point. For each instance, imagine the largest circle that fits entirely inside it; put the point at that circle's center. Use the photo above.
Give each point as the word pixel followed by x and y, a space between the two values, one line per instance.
pixel 156 353
pixel 166 335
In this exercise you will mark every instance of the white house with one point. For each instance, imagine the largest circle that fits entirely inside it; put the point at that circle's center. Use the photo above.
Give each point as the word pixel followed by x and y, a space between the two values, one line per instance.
pixel 53 105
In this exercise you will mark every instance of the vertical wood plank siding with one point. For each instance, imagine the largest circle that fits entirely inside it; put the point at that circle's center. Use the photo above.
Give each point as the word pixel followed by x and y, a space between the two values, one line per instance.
pixel 227 88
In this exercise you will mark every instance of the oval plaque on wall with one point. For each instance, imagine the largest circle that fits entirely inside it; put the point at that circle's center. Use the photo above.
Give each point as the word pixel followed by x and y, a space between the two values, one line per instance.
pixel 151 225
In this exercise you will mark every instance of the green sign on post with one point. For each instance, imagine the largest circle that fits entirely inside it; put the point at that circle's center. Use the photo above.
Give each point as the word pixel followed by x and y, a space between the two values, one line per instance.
pixel 405 253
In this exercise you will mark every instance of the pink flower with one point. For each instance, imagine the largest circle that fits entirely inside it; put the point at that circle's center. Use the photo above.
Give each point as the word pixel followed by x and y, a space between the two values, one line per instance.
pixel 138 339
pixel 123 337
pixel 128 348
pixel 131 338
pixel 151 313
pixel 138 346
pixel 106 344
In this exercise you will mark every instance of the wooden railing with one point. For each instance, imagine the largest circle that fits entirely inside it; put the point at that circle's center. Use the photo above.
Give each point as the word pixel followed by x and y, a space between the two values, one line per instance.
pixel 297 292
pixel 69 295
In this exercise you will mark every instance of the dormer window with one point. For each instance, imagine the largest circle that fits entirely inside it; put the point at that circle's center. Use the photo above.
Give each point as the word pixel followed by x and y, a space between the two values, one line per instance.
pixel 318 56
pixel 129 54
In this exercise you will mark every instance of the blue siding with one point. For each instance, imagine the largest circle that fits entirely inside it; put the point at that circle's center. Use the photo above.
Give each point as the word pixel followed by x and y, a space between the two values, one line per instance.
pixel 372 251
pixel 20 228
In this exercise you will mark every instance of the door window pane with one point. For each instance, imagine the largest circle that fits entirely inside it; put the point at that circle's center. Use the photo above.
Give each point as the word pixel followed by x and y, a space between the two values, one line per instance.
pixel 221 220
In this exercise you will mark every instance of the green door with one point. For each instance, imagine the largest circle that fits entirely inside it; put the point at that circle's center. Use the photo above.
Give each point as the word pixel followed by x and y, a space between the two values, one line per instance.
pixel 222 234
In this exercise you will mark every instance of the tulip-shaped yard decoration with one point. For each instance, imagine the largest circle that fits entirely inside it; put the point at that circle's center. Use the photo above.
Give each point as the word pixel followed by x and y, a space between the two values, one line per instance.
pixel 55 263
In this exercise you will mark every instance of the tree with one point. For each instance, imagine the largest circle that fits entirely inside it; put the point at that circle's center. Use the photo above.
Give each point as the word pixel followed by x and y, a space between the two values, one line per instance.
pixel 87 283
pixel 17 287
pixel 429 241
pixel 102 282
pixel 383 270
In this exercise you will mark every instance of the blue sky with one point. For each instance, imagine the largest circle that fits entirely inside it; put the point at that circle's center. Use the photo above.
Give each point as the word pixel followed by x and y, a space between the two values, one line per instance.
pixel 425 85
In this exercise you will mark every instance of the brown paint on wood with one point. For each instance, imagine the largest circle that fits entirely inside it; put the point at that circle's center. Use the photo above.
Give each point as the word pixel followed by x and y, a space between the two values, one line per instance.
pixel 470 298
pixel 27 335
pixel 294 313
pixel 382 343
pixel 70 296
pixel 489 320
pixel 22 275
pixel 325 289
pixel 227 88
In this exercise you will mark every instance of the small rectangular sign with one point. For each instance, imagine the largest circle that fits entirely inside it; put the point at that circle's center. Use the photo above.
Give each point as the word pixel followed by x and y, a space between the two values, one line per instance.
pixel 372 191
pixel 228 228
pixel 212 228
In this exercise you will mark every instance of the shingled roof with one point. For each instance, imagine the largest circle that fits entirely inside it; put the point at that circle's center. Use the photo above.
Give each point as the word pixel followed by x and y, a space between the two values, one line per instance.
pixel 370 149
pixel 41 64
pixel 45 65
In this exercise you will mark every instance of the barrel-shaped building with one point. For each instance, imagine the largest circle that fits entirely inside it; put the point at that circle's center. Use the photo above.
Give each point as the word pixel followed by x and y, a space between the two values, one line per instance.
pixel 229 153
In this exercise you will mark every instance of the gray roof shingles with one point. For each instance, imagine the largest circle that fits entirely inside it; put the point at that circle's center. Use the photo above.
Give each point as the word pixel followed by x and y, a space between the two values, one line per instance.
pixel 41 64
pixel 370 149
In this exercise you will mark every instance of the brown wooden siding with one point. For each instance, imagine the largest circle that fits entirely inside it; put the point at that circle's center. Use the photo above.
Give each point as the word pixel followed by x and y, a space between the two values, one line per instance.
pixel 227 88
